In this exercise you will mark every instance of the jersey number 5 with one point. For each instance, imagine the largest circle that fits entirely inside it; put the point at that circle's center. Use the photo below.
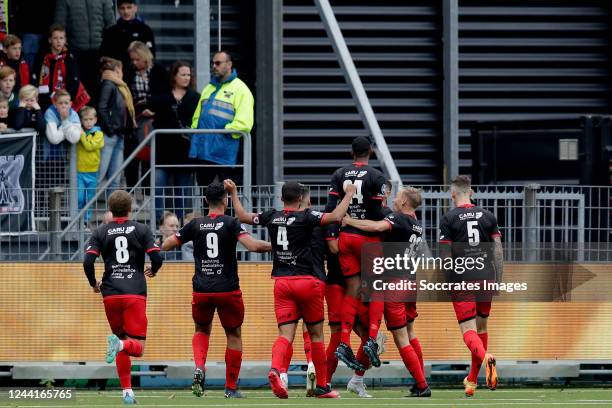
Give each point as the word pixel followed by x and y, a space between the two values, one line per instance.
pixel 473 233
pixel 121 245
pixel 358 194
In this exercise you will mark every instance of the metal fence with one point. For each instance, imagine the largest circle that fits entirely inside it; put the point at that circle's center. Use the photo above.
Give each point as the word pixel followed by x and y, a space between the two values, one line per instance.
pixel 529 217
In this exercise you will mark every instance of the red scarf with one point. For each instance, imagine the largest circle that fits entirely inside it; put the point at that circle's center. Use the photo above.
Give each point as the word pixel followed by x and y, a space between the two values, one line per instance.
pixel 59 71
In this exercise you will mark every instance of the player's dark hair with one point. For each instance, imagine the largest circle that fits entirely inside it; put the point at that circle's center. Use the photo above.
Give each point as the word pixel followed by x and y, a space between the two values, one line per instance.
pixel 361 147
pixel 215 193
pixel 120 203
pixel 291 192
pixel 461 184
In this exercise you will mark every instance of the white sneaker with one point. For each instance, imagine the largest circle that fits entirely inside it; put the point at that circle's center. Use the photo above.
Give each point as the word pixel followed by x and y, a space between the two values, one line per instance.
pixel 381 339
pixel 311 380
pixel 285 379
pixel 358 387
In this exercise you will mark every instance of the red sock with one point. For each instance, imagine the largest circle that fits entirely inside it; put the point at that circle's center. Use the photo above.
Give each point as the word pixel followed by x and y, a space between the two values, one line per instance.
pixel 347 315
pixel 233 361
pixel 287 360
pixel 484 337
pixel 332 360
pixel 412 363
pixel 279 350
pixel 199 342
pixel 124 369
pixel 473 342
pixel 320 362
pixel 132 347
pixel 375 312
pixel 307 347
pixel 416 345
pixel 362 358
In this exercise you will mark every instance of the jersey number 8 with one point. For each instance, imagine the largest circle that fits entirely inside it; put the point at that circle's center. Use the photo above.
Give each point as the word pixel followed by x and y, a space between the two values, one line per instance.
pixel 121 245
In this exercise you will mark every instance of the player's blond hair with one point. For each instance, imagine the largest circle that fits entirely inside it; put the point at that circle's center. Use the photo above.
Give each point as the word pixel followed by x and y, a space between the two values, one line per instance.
pixel 412 195
pixel 120 203
pixel 461 185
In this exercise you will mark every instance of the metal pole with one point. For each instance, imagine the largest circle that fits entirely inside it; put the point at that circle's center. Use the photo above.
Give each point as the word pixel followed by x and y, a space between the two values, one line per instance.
pixel 202 42
pixel 530 223
pixel 357 90
pixel 219 22
pixel 55 207
pixel 451 89
pixel 73 196
pixel 152 192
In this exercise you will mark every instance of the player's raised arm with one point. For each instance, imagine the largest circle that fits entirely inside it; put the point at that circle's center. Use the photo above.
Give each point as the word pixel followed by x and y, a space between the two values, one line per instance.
pixel 367 225
pixel 241 213
pixel 336 215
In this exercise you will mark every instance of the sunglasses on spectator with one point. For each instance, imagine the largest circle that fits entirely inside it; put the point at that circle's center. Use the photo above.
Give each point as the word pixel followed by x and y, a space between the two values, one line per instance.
pixel 218 62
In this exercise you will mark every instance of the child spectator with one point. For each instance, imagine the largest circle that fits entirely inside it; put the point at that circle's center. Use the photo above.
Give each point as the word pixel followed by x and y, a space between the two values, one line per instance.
pixel 88 158
pixel 7 86
pixel 28 114
pixel 62 121
pixel 12 57
pixel 4 113
pixel 58 70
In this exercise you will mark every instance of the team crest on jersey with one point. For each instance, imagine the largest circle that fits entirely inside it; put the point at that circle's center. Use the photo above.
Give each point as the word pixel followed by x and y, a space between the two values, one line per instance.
pixel 317 214
pixel 362 173
pixel 290 220
pixel 130 229
pixel 218 226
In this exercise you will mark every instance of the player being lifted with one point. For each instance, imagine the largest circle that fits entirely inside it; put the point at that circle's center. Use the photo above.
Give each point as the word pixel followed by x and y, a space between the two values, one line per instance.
pixel 123 244
pixel 469 225
pixel 365 205
pixel 298 286
pixel 215 283
pixel 402 226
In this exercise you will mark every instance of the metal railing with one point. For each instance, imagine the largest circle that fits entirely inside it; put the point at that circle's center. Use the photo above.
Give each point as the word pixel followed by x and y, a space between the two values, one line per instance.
pixel 530 217
pixel 77 220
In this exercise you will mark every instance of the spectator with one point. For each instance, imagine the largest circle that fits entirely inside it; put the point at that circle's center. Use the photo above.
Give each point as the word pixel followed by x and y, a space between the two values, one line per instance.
pixel 174 110
pixel 29 114
pixel 58 70
pixel 31 26
pixel 168 226
pixel 226 103
pixel 7 86
pixel 145 79
pixel 129 28
pixel 4 113
pixel 11 56
pixel 117 118
pixel 85 22
pixel 62 121
pixel 88 158
pixel 4 18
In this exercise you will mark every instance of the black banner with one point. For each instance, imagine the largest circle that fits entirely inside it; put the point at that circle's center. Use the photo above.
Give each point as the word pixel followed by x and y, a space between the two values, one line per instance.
pixel 17 184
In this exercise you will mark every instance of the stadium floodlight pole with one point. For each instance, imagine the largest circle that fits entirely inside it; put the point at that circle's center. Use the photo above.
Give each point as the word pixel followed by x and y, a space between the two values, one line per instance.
pixel 357 90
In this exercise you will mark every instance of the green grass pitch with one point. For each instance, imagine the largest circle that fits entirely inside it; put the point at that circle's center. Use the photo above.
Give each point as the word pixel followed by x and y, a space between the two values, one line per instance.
pixel 515 398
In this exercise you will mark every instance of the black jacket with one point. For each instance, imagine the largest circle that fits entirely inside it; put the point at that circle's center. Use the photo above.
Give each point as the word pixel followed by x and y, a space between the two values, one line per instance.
pixel 112 113
pixel 169 114
pixel 117 38
pixel 158 85
pixel 24 118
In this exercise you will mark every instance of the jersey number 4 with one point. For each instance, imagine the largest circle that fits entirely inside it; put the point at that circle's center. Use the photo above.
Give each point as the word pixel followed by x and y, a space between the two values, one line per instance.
pixel 358 194
pixel 281 238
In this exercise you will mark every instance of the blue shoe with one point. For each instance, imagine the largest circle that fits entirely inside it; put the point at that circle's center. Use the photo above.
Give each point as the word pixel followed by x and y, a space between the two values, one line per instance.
pixel 129 399
pixel 112 348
